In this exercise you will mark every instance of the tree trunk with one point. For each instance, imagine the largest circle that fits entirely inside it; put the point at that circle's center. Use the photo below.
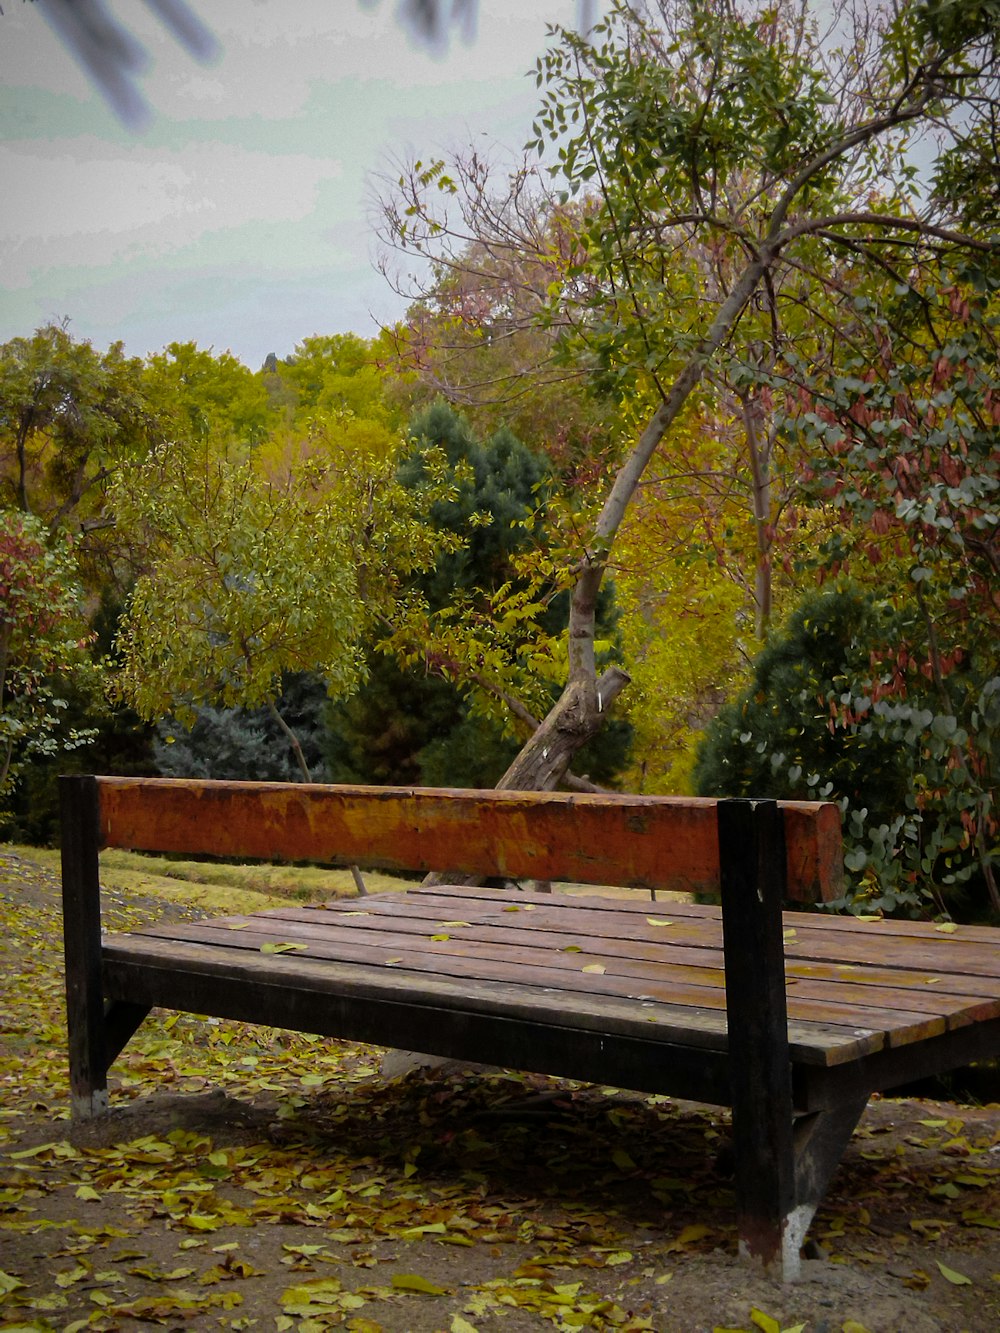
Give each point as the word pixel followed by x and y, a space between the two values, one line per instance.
pixel 759 450
pixel 293 741
pixel 575 719
pixel 300 759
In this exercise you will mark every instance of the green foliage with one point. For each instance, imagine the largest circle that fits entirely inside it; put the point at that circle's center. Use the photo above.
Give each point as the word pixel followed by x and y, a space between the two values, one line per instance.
pixel 240 744
pixel 205 394
pixel 838 709
pixel 485 628
pixel 408 728
pixel 69 418
pixel 251 575
pixel 496 486
pixel 777 739
pixel 329 377
pixel 118 740
pixel 681 134
pixel 43 640
pixel 906 465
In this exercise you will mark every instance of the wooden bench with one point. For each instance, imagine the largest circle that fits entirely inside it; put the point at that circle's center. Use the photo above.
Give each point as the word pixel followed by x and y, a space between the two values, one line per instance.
pixel 792 1020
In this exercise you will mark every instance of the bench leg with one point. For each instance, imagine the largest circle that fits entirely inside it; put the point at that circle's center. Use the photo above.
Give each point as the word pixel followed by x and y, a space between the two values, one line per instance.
pixel 820 1140
pixel 782 1168
pixel 752 866
pixel 85 1017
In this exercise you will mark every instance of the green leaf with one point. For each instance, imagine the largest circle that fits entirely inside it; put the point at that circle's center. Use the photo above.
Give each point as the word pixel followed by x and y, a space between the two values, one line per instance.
pixel 950 1275
pixel 271 947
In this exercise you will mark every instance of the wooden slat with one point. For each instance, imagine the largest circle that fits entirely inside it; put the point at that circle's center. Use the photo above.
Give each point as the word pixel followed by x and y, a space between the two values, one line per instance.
pixel 672 988
pixel 679 964
pixel 922 946
pixel 328 933
pixel 653 842
pixel 519 947
pixel 172 962
pixel 676 944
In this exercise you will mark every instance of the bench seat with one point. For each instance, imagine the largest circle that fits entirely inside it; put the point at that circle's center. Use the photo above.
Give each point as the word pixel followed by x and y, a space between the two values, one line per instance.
pixel 650 971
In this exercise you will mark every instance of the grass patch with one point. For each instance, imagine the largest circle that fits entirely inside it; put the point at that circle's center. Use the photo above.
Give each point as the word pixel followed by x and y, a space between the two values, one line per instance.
pixel 213 884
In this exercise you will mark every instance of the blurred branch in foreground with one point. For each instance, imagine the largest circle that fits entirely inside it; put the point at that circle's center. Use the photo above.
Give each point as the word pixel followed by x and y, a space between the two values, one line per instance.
pixel 113 58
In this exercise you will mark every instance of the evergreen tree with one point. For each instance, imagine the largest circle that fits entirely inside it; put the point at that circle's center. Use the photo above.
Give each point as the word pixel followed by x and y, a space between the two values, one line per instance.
pixel 409 728
pixel 239 744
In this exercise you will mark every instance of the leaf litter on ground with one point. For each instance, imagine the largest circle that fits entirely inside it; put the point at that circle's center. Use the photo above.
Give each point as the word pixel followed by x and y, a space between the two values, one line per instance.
pixel 253 1176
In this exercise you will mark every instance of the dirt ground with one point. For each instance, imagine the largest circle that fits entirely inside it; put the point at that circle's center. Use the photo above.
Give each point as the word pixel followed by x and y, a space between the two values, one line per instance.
pixel 248 1178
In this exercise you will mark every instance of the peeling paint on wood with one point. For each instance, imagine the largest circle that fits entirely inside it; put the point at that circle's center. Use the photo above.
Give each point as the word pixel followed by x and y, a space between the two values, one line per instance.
pixel 663 843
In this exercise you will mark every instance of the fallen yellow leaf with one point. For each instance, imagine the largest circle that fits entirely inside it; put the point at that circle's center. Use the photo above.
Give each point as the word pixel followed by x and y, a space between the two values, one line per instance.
pixel 764 1321
pixel 413 1282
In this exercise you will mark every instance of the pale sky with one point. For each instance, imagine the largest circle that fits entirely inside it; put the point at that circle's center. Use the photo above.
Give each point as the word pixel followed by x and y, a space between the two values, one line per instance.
pixel 240 217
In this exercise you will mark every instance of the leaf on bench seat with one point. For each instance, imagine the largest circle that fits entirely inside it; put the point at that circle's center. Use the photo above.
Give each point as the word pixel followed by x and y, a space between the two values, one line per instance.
pixel 284 947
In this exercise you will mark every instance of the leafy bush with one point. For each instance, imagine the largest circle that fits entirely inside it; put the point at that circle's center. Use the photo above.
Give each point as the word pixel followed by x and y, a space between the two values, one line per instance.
pixel 840 708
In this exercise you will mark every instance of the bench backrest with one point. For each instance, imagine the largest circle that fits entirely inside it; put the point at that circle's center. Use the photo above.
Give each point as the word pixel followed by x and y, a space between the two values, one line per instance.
pixel 650 842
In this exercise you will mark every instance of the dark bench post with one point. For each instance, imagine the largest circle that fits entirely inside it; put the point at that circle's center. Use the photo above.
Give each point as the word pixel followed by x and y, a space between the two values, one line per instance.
pixel 752 859
pixel 88 1055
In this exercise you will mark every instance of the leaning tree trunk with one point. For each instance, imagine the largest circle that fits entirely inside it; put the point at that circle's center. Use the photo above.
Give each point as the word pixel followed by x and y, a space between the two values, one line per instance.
pixel 581 709
pixel 575 719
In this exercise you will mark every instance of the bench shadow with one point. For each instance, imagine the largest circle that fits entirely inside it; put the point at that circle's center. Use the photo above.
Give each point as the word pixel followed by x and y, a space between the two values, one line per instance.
pixel 537 1141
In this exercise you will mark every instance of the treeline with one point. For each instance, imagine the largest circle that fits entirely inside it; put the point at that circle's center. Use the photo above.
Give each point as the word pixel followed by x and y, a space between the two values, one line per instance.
pixel 680 474
pixel 219 573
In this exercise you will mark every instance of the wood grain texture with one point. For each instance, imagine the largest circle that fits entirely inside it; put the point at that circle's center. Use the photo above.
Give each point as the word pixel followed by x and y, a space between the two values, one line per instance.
pixel 664 960
pixel 653 842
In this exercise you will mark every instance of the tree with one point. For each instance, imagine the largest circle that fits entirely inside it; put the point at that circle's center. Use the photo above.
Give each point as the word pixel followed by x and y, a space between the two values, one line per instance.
pixel 42 637
pixel 837 710
pixel 203 393
pixel 435 704
pixel 70 417
pixel 249 745
pixel 666 153
pixel 482 334
pixel 330 378
pixel 906 463
pixel 250 575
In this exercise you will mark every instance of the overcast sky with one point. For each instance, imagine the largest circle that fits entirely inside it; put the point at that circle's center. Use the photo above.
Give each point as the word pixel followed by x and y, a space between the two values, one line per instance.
pixel 240 217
